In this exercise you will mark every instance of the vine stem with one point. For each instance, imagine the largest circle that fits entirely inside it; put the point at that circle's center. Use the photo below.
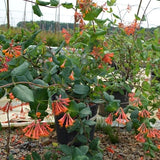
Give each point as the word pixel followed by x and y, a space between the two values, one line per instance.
pixel 30 83
pixel 43 6
pixel 9 130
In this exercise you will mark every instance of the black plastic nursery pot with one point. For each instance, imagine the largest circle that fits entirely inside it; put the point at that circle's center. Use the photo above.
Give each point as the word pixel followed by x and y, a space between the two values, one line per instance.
pixel 122 97
pixel 117 95
pixel 63 137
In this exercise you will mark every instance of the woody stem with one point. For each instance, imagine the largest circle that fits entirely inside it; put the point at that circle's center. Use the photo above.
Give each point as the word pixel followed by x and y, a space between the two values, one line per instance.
pixel 9 130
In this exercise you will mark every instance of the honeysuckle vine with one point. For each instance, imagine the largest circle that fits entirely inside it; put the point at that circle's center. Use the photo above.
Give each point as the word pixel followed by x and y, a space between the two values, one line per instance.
pixel 95 60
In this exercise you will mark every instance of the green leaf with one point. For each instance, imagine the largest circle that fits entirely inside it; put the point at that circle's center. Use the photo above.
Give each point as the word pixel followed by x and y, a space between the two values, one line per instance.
pixel 116 16
pixel 59 48
pixel 137 18
pixel 111 2
pixel 129 126
pixel 2 38
pixel 28 157
pixel 54 2
pixel 94 145
pixel 2 92
pixel 99 32
pixel 84 149
pixel 90 122
pixel 47 155
pixel 108 97
pixel 36 156
pixel 112 106
pixel 23 93
pixel 152 120
pixel 147 69
pixel 66 149
pixel 30 40
pixel 54 70
pixel 67 5
pixel 100 22
pixel 85 112
pixel 3 82
pixel 153 147
pixel 81 138
pixel 81 89
pixel 73 108
pixel 66 157
pixel 139 43
pixel 37 10
pixel 20 70
pixel 0 126
pixel 91 15
pixel 151 153
pixel 143 18
pixel 155 48
pixel 98 101
pixel 83 157
pixel 43 3
pixel 40 82
pixel 146 86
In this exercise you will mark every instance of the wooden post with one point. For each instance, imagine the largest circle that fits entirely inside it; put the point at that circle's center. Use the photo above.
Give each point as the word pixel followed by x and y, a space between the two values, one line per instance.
pixel 8 21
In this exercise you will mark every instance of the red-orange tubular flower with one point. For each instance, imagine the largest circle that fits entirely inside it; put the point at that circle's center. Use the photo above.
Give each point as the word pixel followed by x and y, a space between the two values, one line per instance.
pixel 58 106
pixel 96 52
pixel 66 120
pixel 140 138
pixel 122 118
pixel 107 58
pixel 71 77
pixel 144 114
pixel 66 35
pixel 13 50
pixel 63 64
pixel 109 119
pixel 143 128
pixel 37 129
pixel 151 133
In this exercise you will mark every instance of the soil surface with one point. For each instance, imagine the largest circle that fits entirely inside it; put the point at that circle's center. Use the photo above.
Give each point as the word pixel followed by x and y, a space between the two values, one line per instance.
pixel 126 149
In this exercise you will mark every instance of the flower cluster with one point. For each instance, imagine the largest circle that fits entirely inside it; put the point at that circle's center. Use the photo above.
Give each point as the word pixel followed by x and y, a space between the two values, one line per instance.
pixel 66 120
pixel 59 107
pixel 135 101
pixel 13 50
pixel 85 6
pixel 130 29
pixel 145 132
pixel 122 117
pixel 144 114
pixel 37 129
pixel 3 64
pixel 66 35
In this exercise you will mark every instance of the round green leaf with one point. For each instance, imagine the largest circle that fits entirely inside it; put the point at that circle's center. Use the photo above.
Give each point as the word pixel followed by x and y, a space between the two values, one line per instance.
pixel 81 89
pixel 20 70
pixel 23 93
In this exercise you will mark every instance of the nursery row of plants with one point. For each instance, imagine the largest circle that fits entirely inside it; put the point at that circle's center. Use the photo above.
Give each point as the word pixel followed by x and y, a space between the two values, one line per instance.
pixel 88 69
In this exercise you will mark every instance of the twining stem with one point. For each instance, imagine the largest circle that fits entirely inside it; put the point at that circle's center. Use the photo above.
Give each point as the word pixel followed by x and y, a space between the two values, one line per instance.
pixel 30 83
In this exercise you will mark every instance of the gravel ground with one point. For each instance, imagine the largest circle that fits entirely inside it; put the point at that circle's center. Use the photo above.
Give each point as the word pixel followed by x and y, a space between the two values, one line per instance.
pixel 127 148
